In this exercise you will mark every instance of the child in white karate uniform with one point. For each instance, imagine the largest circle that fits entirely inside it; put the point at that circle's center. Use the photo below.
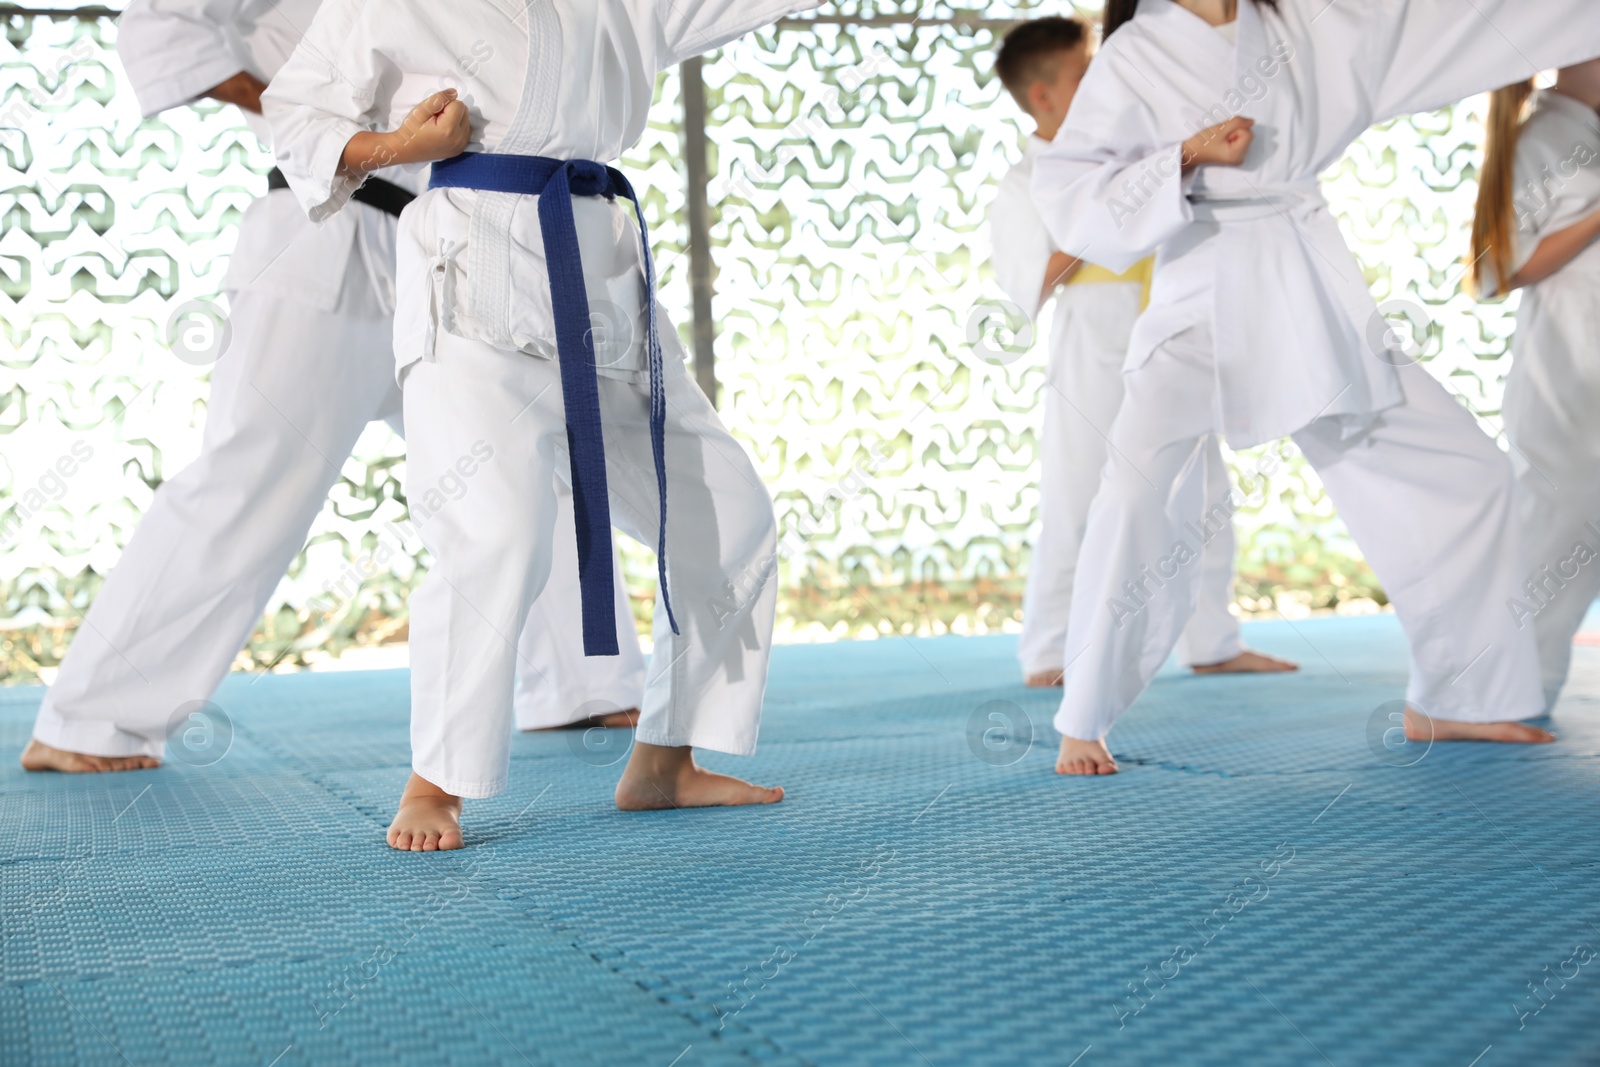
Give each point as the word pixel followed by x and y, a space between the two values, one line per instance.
pixel 1538 226
pixel 492 293
pixel 1261 325
pixel 1041 63
pixel 310 363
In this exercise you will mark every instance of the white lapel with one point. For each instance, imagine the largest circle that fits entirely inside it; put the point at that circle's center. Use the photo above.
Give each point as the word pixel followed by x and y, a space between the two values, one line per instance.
pixel 1201 43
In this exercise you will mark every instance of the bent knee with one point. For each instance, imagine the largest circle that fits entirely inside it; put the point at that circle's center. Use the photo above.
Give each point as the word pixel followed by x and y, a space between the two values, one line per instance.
pixel 736 543
pixel 749 535
pixel 760 526
pixel 744 516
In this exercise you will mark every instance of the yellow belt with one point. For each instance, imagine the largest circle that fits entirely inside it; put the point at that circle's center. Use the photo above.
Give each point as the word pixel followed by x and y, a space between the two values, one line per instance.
pixel 1139 274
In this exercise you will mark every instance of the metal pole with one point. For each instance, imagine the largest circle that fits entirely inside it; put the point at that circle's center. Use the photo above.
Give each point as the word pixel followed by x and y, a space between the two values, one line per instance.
pixel 704 326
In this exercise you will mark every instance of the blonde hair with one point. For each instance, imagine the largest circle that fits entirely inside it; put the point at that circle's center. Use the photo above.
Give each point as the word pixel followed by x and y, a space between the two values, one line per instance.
pixel 1494 225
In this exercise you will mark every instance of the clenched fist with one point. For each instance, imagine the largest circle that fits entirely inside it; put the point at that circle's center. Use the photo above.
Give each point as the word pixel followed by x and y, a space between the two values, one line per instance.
pixel 1222 145
pixel 436 129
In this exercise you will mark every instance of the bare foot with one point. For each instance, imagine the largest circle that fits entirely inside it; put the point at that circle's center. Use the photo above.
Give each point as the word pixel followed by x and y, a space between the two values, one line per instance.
pixel 39 756
pixel 429 819
pixel 1043 679
pixel 611 720
pixel 658 777
pixel 1084 757
pixel 1247 663
pixel 1420 727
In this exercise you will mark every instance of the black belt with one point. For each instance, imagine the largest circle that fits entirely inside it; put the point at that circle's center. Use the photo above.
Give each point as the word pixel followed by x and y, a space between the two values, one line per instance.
pixel 387 197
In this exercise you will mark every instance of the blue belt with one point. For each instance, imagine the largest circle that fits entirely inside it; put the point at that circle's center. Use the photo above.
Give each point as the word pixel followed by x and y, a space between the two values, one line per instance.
pixel 555 182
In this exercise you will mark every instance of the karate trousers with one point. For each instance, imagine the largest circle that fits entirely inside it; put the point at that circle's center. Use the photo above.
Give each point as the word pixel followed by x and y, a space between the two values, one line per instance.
pixel 1085 391
pixel 493 547
pixel 1424 492
pixel 289 398
pixel 1551 403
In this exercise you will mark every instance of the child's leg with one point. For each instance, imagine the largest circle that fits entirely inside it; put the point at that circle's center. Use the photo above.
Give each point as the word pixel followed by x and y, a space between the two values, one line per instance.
pixel 705 683
pixel 194 580
pixel 1139 571
pixel 557 685
pixel 1212 633
pixel 1210 643
pixel 1429 499
pixel 1551 397
pixel 1083 394
pixel 1554 521
pixel 482 427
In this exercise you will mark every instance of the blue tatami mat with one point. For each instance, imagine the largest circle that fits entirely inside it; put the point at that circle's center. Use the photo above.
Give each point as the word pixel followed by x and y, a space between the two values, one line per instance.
pixel 1267 882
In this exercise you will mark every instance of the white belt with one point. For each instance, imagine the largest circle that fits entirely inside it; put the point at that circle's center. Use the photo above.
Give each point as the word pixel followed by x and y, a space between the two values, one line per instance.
pixel 1240 209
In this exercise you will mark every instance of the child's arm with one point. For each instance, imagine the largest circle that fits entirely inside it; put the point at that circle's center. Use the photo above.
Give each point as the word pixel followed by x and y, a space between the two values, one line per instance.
pixel 687 28
pixel 1107 187
pixel 1556 251
pixel 331 103
pixel 1222 145
pixel 1419 55
pixel 1020 253
pixel 1058 271
pixel 436 129
pixel 243 91
pixel 177 51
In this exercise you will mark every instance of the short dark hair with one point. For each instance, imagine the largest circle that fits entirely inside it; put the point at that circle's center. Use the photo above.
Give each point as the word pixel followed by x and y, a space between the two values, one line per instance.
pixel 1030 49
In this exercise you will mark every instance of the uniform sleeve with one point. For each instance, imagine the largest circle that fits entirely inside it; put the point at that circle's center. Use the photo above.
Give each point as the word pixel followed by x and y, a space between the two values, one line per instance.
pixel 1550 147
pixel 332 88
pixel 688 28
pixel 1020 246
pixel 1108 190
pixel 175 51
pixel 1433 53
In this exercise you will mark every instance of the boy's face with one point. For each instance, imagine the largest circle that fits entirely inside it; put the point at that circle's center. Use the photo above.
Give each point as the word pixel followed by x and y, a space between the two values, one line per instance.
pixel 1050 97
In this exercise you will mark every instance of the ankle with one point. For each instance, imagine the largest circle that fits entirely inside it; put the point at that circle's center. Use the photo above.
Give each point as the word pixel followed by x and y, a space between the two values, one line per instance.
pixel 659 762
pixel 420 788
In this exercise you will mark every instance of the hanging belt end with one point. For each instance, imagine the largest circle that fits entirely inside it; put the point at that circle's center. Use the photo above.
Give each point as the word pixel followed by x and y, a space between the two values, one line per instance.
pixel 603 643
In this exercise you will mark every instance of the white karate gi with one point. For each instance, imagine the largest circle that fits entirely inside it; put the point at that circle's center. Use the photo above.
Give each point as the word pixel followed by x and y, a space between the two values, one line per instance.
pixel 475 340
pixel 310 364
pixel 1092 320
pixel 1259 305
pixel 1552 401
